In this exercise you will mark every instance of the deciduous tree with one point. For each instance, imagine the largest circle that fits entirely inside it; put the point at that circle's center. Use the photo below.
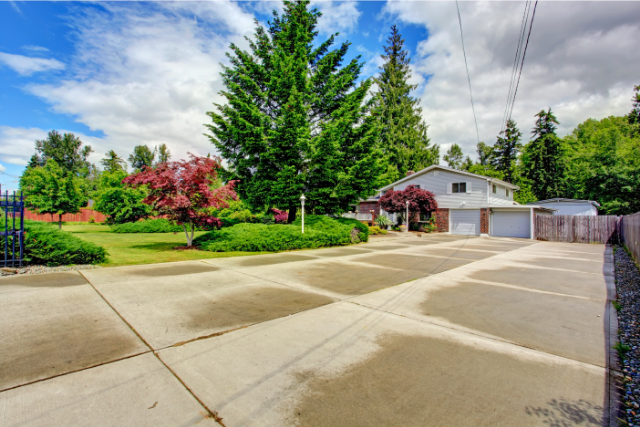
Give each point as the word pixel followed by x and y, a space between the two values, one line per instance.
pixel 119 202
pixel 296 120
pixel 66 150
pixel 454 156
pixel 420 201
pixel 113 162
pixel 181 190
pixel 164 155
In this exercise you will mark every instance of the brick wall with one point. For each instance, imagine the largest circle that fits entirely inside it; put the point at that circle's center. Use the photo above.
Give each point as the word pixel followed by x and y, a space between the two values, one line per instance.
pixel 484 221
pixel 367 207
pixel 442 219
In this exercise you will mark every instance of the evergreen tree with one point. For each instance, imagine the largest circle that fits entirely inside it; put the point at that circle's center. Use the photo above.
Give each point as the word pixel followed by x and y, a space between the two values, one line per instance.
pixel 634 115
pixel 403 137
pixel 164 155
pixel 66 150
pixel 485 153
pixel 142 157
pixel 113 162
pixel 505 151
pixel 454 156
pixel 543 158
pixel 296 120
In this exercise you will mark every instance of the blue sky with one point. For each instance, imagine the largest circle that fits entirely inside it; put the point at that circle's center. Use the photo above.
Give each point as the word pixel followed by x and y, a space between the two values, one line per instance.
pixel 127 73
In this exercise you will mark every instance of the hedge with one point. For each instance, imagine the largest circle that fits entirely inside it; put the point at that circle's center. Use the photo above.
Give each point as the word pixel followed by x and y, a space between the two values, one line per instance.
pixel 159 225
pixel 45 244
pixel 320 231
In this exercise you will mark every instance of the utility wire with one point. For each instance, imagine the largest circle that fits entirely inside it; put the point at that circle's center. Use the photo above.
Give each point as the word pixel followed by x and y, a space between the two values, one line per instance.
pixel 467 67
pixel 514 69
pixel 523 56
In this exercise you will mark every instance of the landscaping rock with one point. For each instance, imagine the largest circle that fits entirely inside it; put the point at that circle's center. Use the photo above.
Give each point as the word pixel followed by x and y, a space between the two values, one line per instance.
pixel 38 269
pixel 628 289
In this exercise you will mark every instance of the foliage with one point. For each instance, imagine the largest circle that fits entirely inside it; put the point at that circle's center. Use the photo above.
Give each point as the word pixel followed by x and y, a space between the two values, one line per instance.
pixel 279 216
pixel 383 221
pixel 420 201
pixel 47 245
pixel 157 225
pixel 320 231
pixel 118 202
pixel 181 191
pixel 485 153
pixel 466 164
pixel 505 151
pixel 142 157
pixel 113 162
pixel 403 137
pixel 66 150
pixel 295 119
pixel 543 159
pixel 376 230
pixel 603 159
pixel 634 115
pixel 454 157
pixel 49 190
pixel 164 155
pixel 485 170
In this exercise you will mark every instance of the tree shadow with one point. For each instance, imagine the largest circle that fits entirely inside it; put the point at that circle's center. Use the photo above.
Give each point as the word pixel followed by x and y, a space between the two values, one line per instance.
pixel 564 413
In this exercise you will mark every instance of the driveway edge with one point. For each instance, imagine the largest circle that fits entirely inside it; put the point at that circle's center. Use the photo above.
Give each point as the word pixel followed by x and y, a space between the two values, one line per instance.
pixel 614 374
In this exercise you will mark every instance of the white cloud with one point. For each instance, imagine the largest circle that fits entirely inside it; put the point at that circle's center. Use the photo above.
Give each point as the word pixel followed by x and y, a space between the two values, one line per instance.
pixel 26 66
pixel 33 48
pixel 337 16
pixel 2 168
pixel 146 75
pixel 578 62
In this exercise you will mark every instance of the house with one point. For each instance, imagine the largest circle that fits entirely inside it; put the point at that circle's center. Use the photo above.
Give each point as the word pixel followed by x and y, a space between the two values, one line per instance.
pixel 469 204
pixel 570 206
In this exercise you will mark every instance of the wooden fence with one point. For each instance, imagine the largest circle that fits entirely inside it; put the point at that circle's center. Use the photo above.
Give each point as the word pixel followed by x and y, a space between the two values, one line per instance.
pixel 631 234
pixel 83 216
pixel 578 229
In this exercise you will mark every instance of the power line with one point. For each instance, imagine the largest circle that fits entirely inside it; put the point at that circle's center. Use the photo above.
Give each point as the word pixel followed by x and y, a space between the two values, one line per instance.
pixel 523 56
pixel 514 68
pixel 467 67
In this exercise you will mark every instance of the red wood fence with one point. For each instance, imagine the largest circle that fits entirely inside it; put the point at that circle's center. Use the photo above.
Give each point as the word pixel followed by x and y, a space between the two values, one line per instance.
pixel 578 229
pixel 631 234
pixel 83 216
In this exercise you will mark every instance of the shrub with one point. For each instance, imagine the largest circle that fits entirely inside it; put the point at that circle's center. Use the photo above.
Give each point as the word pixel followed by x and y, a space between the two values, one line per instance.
pixel 158 225
pixel 92 220
pixel 320 231
pixel 44 244
pixel 376 230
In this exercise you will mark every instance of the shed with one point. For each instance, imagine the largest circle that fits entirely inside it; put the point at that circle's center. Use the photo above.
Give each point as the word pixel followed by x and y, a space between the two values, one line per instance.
pixel 570 206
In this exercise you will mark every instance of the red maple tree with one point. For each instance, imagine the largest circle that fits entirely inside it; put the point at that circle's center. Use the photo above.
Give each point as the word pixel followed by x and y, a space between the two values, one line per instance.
pixel 420 201
pixel 181 191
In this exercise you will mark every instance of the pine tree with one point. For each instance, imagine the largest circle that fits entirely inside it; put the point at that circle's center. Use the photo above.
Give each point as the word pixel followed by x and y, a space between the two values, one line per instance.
pixel 113 162
pixel 403 138
pixel 634 115
pixel 454 156
pixel 506 149
pixel 66 150
pixel 142 157
pixel 296 120
pixel 164 155
pixel 543 158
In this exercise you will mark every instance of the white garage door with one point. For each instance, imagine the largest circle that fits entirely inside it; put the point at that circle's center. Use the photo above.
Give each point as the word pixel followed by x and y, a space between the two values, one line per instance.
pixel 511 224
pixel 465 222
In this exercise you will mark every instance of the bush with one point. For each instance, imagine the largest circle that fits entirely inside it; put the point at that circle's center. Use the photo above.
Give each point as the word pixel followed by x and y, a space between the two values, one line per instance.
pixel 377 230
pixel 158 225
pixel 45 244
pixel 92 220
pixel 320 231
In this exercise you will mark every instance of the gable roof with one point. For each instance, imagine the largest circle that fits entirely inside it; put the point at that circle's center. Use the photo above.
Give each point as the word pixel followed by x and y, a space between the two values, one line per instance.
pixel 432 167
pixel 562 200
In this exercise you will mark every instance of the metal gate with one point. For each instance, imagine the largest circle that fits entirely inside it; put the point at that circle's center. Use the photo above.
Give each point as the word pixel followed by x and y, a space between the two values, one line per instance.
pixel 12 231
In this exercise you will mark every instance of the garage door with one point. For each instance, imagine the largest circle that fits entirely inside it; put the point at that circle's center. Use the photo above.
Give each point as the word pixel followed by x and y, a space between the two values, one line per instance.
pixel 511 224
pixel 465 222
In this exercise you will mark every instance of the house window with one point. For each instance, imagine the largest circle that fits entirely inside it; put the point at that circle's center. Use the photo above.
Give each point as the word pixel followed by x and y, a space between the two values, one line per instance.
pixel 495 189
pixel 506 192
pixel 459 187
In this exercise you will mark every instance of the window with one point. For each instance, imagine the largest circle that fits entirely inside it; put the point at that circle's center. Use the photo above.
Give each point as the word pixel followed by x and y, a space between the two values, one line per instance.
pixel 459 187
pixel 506 192
pixel 495 189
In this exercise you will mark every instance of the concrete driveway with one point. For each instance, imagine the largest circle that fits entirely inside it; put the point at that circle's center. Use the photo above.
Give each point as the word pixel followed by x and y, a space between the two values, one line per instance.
pixel 407 331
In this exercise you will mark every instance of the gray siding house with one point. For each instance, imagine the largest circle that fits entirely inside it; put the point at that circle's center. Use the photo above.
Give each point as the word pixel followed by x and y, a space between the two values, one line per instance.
pixel 471 204
pixel 570 206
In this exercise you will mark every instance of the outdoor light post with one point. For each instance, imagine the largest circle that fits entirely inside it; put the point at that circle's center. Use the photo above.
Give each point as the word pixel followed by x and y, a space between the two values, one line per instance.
pixel 407 216
pixel 302 199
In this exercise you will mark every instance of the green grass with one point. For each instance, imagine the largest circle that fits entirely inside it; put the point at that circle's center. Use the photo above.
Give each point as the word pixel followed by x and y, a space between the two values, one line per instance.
pixel 147 248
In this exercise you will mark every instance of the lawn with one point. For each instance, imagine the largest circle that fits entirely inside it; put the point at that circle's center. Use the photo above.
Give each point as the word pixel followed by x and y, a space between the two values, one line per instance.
pixel 128 249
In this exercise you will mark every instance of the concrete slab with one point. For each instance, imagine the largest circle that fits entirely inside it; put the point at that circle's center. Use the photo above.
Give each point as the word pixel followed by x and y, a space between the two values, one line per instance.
pixel 563 263
pixel 348 365
pixel 561 325
pixel 258 260
pixel 336 279
pixel 166 312
pixel 342 252
pixel 39 281
pixel 176 271
pixel 52 331
pixel 389 247
pixel 423 264
pixel 139 391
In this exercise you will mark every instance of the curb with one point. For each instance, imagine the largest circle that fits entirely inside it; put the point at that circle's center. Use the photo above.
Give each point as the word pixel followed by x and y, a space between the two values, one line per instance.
pixel 614 384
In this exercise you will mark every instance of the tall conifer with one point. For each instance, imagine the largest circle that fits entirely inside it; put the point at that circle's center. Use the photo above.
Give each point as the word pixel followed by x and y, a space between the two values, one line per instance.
pixel 296 121
pixel 404 138
pixel 506 149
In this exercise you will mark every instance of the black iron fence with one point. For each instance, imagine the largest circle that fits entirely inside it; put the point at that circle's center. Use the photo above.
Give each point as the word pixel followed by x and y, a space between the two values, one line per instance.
pixel 12 230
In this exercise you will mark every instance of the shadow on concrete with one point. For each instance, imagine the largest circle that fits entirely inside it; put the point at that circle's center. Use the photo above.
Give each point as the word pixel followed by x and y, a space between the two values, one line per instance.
pixel 565 413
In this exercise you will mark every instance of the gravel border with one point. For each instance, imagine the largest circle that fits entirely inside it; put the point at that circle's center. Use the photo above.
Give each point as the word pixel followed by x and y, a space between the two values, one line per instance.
pixel 628 306
pixel 39 269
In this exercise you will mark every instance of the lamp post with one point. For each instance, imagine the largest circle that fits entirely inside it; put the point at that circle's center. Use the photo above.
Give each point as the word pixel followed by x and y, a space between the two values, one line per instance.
pixel 407 216
pixel 302 199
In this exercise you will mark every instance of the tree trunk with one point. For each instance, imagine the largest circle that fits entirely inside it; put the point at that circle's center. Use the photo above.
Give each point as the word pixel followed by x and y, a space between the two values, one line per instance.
pixel 193 231
pixel 293 210
pixel 60 221
pixel 186 232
